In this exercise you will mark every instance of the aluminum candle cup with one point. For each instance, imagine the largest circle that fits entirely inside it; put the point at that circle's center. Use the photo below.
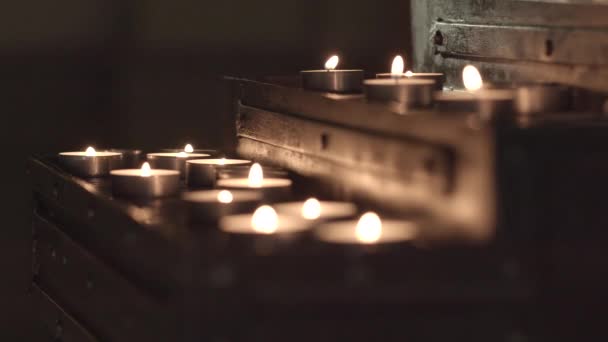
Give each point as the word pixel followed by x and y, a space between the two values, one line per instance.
pixel 272 189
pixel 242 171
pixel 157 183
pixel 210 205
pixel 90 163
pixel 486 102
pixel 401 94
pixel 312 209
pixel 436 77
pixel 368 230
pixel 130 159
pixel 204 172
pixel 264 221
pixel 334 81
pixel 542 98
pixel 173 160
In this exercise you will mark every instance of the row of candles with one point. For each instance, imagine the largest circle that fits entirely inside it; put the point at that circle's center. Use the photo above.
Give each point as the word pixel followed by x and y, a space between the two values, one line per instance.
pixel 237 196
pixel 404 91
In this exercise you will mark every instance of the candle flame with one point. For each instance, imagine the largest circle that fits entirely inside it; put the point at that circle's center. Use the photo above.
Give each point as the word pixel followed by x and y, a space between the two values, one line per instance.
pixel 146 170
pixel 471 78
pixel 182 154
pixel 256 176
pixel 398 66
pixel 409 73
pixel 332 62
pixel 225 196
pixel 222 161
pixel 188 148
pixel 311 210
pixel 265 220
pixel 90 152
pixel 369 228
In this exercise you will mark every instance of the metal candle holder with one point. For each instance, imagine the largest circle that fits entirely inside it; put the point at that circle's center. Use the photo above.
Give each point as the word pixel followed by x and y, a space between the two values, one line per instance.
pixel 436 77
pixel 172 160
pixel 90 166
pixel 208 206
pixel 334 81
pixel 130 183
pixel 401 94
pixel 204 172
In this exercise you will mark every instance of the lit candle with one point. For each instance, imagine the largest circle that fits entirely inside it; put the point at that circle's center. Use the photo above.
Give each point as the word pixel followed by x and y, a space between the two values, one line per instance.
pixel 477 98
pixel 204 172
pixel 273 189
pixel 264 221
pixel 174 160
pixel 368 230
pixel 210 205
pixel 332 79
pixel 145 182
pixel 242 171
pixel 89 163
pixel 398 66
pixel 313 209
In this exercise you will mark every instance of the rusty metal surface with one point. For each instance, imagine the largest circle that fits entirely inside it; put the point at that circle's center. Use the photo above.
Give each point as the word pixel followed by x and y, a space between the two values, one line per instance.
pixel 564 42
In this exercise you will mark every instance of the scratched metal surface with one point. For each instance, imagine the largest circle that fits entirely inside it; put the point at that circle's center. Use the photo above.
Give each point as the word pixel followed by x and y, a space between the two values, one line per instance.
pixel 562 41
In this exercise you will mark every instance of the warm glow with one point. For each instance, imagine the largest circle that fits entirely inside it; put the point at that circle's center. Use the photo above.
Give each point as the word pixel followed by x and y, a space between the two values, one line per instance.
pixel 188 148
pixel 146 170
pixel 182 155
pixel 311 210
pixel 398 66
pixel 222 161
pixel 332 63
pixel 409 73
pixel 225 196
pixel 369 228
pixel 265 220
pixel 90 152
pixel 471 78
pixel 256 176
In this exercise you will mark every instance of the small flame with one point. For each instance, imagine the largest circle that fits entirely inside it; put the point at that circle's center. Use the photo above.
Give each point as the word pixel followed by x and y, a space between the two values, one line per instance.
pixel 398 66
pixel 332 62
pixel 409 73
pixel 265 220
pixel 182 154
pixel 90 152
pixel 222 161
pixel 225 196
pixel 369 228
pixel 256 176
pixel 311 210
pixel 188 148
pixel 471 78
pixel 146 170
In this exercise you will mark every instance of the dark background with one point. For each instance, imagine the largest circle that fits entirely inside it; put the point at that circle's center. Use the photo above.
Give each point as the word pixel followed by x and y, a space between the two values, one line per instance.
pixel 129 73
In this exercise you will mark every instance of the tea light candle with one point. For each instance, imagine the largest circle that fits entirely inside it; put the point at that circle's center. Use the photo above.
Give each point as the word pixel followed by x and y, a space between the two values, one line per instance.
pixel 332 80
pixel 368 230
pixel 486 102
pixel 174 160
pixel 130 159
pixel 204 172
pixel 89 163
pixel 272 189
pixel 145 182
pixel 210 205
pixel 242 171
pixel 313 209
pixel 264 221
pixel 401 94
pixel 398 67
